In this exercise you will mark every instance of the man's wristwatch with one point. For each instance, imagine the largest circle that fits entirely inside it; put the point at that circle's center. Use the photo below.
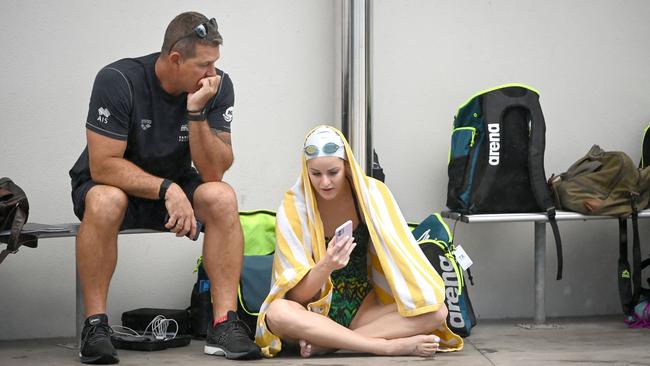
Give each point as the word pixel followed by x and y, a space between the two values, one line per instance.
pixel 196 115
pixel 163 188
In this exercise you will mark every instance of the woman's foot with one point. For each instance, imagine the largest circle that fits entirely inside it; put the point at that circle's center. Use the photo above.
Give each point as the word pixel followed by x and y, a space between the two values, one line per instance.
pixel 307 349
pixel 419 345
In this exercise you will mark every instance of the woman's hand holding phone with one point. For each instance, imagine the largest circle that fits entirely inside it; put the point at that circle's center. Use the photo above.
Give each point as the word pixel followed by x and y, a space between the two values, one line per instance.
pixel 340 247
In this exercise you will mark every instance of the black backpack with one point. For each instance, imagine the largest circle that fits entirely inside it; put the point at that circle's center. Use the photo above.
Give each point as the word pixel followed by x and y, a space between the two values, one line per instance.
pixel 14 209
pixel 496 159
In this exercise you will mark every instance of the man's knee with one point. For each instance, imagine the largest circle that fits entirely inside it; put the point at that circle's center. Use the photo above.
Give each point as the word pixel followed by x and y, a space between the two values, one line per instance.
pixel 216 198
pixel 106 202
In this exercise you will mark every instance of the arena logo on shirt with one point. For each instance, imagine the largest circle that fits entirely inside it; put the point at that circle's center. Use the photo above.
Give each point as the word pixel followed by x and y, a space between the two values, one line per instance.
pixel 103 114
pixel 145 124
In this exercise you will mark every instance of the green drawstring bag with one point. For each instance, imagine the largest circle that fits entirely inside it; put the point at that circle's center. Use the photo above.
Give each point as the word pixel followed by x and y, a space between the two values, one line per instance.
pixel 258 227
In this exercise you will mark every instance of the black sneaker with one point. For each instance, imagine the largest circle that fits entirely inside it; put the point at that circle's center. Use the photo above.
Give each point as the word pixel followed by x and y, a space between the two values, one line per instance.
pixel 96 347
pixel 233 339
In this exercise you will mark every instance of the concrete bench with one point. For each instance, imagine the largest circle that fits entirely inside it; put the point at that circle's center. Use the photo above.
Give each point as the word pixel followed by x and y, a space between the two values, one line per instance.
pixel 539 238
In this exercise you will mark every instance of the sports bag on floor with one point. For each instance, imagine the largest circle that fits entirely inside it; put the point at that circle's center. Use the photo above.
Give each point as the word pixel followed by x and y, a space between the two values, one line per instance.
pixel 609 183
pixel 258 227
pixel 436 243
pixel 14 210
pixel 496 159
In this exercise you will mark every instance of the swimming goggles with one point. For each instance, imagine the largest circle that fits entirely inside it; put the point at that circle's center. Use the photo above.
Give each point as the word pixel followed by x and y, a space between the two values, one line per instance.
pixel 329 149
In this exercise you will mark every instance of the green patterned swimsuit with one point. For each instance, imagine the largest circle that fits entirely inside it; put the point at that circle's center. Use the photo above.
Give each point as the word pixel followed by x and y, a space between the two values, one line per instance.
pixel 351 283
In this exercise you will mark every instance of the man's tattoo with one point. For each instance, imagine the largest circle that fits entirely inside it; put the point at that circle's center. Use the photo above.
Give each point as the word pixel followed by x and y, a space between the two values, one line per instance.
pixel 223 136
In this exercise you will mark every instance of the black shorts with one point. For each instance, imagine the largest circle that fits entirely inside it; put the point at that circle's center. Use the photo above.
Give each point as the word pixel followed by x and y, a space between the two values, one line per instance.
pixel 141 213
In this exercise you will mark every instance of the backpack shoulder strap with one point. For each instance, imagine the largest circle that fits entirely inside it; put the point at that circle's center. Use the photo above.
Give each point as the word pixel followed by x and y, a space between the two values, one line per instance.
pixel 536 171
pixel 645 148
pixel 624 272
pixel 636 258
pixel 497 102
pixel 629 278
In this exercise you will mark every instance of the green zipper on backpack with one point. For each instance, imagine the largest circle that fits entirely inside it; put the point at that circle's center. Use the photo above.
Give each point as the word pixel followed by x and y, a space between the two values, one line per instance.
pixel 471 142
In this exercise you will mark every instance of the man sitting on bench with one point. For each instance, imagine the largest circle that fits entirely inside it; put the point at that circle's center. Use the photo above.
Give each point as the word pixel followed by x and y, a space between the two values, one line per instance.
pixel 149 119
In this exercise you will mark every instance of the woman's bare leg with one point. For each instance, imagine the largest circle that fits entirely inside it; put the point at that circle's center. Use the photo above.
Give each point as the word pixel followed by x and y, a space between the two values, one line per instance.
pixel 290 321
pixel 371 320
pixel 369 311
pixel 372 317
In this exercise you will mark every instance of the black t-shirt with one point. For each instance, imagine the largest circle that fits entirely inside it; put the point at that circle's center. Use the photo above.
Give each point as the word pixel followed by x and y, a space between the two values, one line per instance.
pixel 127 103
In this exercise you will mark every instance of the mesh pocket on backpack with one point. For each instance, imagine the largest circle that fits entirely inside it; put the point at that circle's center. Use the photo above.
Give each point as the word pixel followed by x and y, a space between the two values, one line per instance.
pixel 462 142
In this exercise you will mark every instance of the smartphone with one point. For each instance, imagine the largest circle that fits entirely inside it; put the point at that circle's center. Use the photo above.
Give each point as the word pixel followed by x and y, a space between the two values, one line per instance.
pixel 199 227
pixel 343 230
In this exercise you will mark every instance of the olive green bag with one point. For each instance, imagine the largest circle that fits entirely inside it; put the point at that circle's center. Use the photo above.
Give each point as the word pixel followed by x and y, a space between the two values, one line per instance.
pixel 602 183
pixel 609 183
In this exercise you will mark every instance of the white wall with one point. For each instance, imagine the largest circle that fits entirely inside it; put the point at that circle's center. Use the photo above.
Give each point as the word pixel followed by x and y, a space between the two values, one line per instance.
pixel 588 58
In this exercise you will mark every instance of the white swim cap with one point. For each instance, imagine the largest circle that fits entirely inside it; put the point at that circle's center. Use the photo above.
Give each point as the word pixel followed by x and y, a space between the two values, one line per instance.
pixel 324 141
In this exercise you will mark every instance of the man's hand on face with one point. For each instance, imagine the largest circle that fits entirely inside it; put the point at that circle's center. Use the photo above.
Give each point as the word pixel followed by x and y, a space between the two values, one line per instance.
pixel 208 88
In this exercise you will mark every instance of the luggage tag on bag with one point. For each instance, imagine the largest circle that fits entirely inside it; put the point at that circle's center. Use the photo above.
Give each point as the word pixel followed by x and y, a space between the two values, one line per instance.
pixel 462 258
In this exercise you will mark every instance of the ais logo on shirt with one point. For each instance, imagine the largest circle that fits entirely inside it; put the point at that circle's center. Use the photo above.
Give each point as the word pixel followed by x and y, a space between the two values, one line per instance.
pixel 103 114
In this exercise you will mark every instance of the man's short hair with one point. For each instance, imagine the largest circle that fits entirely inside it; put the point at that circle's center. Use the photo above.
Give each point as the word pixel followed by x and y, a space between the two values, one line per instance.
pixel 180 34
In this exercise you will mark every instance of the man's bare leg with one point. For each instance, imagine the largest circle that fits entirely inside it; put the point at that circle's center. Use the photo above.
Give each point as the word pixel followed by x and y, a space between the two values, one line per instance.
pixel 96 245
pixel 215 204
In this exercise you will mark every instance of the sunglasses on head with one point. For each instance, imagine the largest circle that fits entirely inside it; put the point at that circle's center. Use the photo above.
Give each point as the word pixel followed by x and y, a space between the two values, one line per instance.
pixel 200 30
pixel 329 149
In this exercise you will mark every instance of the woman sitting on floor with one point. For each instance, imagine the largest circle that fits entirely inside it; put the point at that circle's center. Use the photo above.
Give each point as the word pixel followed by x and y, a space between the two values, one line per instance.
pixel 374 292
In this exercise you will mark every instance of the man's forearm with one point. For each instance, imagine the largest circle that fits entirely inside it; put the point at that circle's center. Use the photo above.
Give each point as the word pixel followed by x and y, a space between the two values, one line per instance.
pixel 130 178
pixel 211 153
